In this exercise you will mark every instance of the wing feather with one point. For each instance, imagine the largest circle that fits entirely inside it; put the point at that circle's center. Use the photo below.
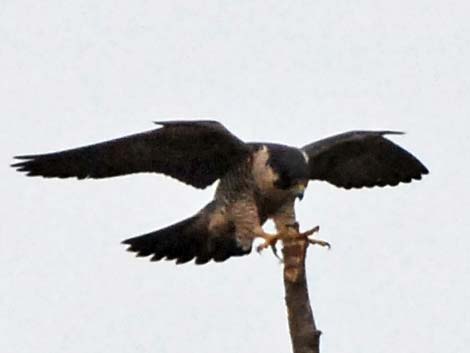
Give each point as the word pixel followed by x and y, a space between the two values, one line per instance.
pixel 362 159
pixel 195 152
pixel 190 239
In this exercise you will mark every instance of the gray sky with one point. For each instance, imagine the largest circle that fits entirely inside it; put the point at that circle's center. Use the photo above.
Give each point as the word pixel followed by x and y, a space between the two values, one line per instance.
pixel 398 276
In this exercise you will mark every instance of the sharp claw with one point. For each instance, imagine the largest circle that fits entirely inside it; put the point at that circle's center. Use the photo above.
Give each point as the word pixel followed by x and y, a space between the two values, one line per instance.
pixel 320 242
pixel 310 231
pixel 269 242
pixel 315 241
pixel 274 249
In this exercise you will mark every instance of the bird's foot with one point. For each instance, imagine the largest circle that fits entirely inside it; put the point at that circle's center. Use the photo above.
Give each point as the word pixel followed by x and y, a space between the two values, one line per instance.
pixel 291 231
pixel 296 233
pixel 269 241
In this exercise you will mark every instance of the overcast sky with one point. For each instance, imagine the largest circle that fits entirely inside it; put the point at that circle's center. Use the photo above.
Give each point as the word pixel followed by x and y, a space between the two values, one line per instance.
pixel 398 276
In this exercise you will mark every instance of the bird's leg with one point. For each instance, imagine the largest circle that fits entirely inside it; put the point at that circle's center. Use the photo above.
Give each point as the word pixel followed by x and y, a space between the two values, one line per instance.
pixel 296 232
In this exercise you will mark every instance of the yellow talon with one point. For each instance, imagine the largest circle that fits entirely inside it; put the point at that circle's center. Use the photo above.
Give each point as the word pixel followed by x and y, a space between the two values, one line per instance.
pixel 269 241
pixel 291 230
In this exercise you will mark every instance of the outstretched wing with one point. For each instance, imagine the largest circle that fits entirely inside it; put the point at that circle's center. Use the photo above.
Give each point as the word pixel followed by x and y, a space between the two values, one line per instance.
pixel 195 152
pixel 362 158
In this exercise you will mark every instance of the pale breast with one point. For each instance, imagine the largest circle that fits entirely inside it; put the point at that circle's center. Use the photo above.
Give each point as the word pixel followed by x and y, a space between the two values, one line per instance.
pixel 264 176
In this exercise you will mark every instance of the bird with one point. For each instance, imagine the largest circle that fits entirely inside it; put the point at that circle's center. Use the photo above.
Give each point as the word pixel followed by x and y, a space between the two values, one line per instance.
pixel 257 181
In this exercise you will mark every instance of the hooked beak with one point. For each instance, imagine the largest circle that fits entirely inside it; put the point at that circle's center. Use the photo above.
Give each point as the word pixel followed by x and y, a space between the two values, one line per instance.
pixel 299 191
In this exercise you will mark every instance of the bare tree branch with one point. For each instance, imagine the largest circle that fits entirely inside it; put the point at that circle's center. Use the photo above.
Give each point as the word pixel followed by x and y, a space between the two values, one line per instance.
pixel 304 334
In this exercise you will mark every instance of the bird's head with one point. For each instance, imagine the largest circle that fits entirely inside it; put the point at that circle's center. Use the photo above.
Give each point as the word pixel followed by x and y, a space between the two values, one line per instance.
pixel 290 167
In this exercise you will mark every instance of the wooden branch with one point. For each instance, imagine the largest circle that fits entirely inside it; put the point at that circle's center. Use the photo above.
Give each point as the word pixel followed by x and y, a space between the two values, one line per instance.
pixel 304 334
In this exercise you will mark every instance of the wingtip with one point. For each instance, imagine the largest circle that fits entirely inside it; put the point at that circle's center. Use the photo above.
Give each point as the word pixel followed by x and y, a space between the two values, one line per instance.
pixel 201 122
pixel 23 163
pixel 392 132
pixel 19 166
pixel 126 242
pixel 25 156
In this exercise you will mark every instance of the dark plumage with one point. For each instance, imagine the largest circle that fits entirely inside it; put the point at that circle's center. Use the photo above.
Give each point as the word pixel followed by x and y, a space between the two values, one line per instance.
pixel 194 153
pixel 289 164
pixel 362 158
pixel 258 181
pixel 187 240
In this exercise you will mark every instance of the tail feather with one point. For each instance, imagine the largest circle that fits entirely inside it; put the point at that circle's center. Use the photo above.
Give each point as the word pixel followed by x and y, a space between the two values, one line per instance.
pixel 187 240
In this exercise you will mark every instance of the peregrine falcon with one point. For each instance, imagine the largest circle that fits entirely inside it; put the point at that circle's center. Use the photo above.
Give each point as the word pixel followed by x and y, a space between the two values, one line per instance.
pixel 256 181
